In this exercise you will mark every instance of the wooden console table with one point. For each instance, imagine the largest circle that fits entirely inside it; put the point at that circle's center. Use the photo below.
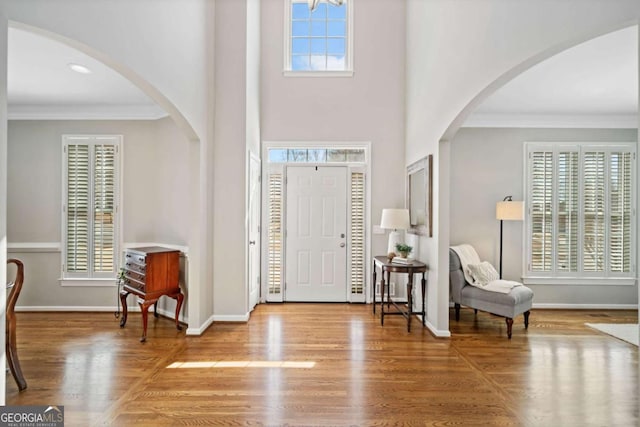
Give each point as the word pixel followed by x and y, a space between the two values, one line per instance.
pixel 150 273
pixel 389 267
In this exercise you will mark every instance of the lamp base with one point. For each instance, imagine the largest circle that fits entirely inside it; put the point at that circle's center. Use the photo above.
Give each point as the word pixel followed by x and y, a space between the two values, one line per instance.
pixel 394 239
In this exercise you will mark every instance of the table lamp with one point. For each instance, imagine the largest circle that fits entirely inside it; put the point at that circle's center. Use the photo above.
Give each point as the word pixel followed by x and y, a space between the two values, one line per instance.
pixel 394 219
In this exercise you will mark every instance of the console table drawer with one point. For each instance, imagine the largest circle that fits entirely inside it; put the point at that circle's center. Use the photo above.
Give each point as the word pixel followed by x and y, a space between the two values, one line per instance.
pixel 139 277
pixel 135 257
pixel 132 266
pixel 134 284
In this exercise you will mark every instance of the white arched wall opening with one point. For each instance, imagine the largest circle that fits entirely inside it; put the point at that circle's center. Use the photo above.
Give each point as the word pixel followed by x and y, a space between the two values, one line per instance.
pixel 456 124
pixel 198 166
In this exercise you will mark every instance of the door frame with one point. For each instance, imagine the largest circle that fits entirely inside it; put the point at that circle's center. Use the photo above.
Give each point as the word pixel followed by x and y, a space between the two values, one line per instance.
pixel 253 157
pixel 280 168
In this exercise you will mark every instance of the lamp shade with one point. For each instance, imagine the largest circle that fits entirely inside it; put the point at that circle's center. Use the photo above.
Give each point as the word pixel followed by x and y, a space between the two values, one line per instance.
pixel 510 211
pixel 395 219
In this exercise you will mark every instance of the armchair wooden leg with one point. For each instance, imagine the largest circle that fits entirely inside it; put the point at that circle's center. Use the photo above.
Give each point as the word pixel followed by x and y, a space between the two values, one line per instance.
pixel 457 307
pixel 526 319
pixel 509 326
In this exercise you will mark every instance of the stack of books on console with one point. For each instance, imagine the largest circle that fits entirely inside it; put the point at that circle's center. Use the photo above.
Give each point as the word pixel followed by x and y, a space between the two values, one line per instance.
pixel 402 260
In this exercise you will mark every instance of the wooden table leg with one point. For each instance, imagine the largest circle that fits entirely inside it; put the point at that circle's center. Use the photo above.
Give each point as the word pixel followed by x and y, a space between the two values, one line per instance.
pixel 125 311
pixel 144 307
pixel 373 287
pixel 424 290
pixel 179 298
pixel 382 285
pixel 409 301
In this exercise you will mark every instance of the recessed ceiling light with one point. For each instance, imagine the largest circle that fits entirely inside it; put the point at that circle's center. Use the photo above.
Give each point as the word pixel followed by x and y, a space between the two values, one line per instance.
pixel 79 68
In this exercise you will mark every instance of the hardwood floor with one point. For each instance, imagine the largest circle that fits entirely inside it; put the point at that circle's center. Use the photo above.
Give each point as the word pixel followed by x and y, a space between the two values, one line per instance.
pixel 355 372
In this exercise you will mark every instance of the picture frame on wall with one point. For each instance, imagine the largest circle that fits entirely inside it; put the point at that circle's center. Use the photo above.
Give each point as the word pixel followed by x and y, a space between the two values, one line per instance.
pixel 419 199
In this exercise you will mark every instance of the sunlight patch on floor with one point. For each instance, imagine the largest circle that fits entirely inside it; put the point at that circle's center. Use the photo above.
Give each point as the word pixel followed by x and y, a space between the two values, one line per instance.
pixel 242 364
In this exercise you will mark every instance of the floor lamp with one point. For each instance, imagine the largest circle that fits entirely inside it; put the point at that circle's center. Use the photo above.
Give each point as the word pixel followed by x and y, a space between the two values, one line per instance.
pixel 508 210
pixel 394 219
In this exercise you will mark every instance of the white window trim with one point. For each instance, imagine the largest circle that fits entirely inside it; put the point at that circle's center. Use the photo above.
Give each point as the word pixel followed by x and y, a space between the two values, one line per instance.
pixel 287 72
pixel 268 168
pixel 80 281
pixel 571 279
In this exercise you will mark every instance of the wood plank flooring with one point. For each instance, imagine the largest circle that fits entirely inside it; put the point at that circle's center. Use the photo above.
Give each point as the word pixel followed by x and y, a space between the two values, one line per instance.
pixel 355 372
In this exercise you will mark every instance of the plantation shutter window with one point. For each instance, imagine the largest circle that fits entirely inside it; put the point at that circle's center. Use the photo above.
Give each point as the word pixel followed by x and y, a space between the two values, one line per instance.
pixel 581 216
pixel 357 230
pixel 541 211
pixel 90 204
pixel 567 234
pixel 78 208
pixel 593 211
pixel 274 234
pixel 620 208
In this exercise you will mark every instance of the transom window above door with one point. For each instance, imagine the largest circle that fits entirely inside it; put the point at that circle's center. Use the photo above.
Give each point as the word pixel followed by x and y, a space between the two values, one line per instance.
pixel 319 41
pixel 316 155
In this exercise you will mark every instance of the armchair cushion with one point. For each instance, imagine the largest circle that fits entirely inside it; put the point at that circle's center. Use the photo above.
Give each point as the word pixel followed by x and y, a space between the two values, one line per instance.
pixel 483 273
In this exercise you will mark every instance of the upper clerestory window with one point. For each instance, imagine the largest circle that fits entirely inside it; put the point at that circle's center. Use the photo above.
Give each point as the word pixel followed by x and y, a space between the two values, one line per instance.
pixel 318 37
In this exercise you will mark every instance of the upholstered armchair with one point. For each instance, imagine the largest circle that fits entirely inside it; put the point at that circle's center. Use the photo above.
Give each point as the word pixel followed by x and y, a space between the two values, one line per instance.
pixel 508 305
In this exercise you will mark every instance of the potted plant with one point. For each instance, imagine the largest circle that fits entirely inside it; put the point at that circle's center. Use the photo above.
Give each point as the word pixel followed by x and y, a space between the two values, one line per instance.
pixel 404 249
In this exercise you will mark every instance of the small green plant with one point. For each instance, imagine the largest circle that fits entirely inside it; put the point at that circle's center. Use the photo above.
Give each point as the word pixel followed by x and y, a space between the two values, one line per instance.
pixel 403 248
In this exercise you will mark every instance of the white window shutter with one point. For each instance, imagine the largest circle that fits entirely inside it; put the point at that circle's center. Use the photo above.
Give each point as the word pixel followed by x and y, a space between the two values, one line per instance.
pixel 620 200
pixel 593 211
pixel 567 211
pixel 78 208
pixel 274 234
pixel 104 208
pixel 357 232
pixel 541 201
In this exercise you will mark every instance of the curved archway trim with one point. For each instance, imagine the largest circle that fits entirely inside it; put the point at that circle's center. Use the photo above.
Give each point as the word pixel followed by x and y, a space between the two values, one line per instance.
pixel 122 69
pixel 514 72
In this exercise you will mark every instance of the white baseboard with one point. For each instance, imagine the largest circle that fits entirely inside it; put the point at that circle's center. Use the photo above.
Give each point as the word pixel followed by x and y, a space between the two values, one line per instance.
pixel 438 332
pixel 199 331
pixel 585 306
pixel 231 317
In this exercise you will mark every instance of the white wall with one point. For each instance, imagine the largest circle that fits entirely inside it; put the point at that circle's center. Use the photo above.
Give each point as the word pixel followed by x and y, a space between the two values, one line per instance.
pixel 230 160
pixel 487 164
pixel 458 52
pixel 366 107
pixel 253 76
pixel 155 175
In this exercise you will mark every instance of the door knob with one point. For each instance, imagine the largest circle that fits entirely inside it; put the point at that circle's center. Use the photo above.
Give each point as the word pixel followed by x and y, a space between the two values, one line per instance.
pixel 342 245
pixel 252 242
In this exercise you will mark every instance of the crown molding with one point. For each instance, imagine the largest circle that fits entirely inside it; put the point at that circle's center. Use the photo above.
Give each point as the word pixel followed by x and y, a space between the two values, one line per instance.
pixel 85 112
pixel 580 121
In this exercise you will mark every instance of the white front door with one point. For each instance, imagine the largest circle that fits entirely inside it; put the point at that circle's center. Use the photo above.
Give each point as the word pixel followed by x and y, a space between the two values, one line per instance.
pixel 316 222
pixel 254 231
